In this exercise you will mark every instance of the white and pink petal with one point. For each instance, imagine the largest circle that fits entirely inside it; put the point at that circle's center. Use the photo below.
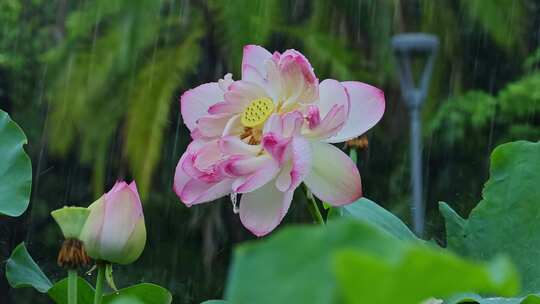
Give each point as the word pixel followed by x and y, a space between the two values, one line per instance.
pixel 255 56
pixel 242 165
pixel 331 93
pixel 329 126
pixel 298 81
pixel 256 180
pixel 251 172
pixel 231 145
pixel 367 106
pixel 197 192
pixel 234 126
pixel 297 167
pixel 333 178
pixel 212 126
pixel 262 210
pixel 226 108
pixel 250 73
pixel 192 191
pixel 194 103
pixel 276 145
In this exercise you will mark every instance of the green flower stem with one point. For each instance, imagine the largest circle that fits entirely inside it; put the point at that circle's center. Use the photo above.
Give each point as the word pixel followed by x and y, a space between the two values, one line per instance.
pixel 98 295
pixel 353 155
pixel 313 208
pixel 72 286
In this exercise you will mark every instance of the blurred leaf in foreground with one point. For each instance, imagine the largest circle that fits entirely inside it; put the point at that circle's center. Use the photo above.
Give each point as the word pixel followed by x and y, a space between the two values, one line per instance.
pixel 506 220
pixel 369 212
pixel 347 260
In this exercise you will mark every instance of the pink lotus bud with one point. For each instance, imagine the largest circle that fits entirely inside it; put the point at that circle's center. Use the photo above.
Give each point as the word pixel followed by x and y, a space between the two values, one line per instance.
pixel 115 231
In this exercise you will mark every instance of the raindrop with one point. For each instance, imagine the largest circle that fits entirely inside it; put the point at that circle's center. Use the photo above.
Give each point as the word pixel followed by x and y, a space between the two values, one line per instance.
pixel 89 272
pixel 234 198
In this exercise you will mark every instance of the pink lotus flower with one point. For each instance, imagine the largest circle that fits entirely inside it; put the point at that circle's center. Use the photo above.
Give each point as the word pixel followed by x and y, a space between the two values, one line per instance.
pixel 115 230
pixel 264 135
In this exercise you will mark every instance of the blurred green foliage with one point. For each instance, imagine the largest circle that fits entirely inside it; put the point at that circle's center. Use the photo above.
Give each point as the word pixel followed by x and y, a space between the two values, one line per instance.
pixel 95 85
pixel 114 62
pixel 513 110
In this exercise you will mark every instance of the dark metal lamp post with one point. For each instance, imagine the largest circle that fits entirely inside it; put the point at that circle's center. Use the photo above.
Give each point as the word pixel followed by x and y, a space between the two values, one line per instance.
pixel 406 47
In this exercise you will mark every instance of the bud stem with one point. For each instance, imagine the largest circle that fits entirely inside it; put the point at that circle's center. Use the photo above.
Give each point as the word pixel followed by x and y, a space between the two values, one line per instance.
pixel 98 295
pixel 313 208
pixel 72 286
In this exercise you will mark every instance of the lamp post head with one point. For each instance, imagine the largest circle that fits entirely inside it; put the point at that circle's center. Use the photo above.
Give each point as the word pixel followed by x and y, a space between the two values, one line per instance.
pixel 414 44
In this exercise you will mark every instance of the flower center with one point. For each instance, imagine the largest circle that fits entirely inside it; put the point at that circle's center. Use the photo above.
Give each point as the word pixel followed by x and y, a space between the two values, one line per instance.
pixel 257 112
